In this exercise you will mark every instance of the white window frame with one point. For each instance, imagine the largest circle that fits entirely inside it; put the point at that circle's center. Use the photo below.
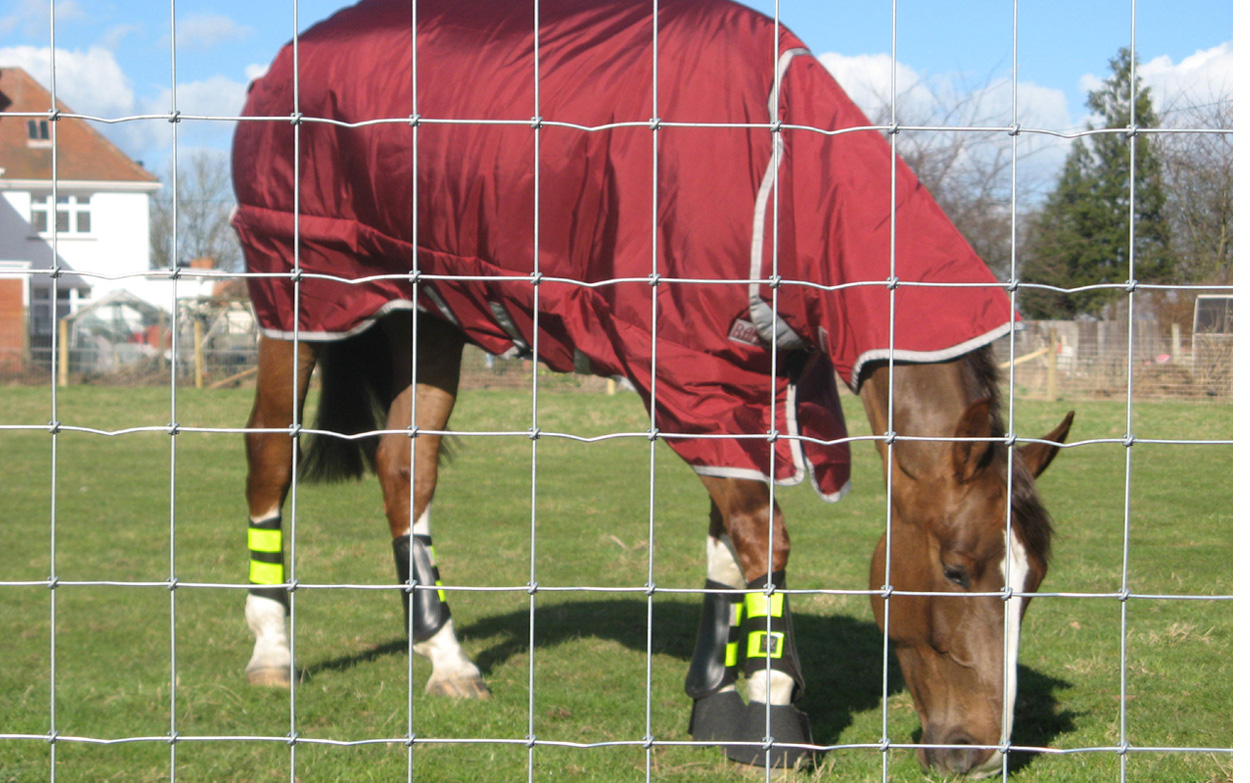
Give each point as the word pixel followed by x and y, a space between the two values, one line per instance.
pixel 75 206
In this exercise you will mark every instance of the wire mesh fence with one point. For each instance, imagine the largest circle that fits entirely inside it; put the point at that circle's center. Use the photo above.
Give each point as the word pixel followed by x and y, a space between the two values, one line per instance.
pixel 210 342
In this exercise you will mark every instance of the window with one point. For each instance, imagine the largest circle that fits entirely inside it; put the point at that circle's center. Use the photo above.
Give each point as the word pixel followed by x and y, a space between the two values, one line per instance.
pixel 37 133
pixel 71 213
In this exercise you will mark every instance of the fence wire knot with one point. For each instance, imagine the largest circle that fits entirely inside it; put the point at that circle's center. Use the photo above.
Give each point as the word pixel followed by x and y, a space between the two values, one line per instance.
pixel 414 276
pixel 292 585
pixel 653 435
pixel 891 283
pixel 887 591
pixel 1010 440
pixel 1128 440
pixel 175 116
pixel 531 740
pixel 773 436
pixel 1012 286
pixel 297 117
pixel 294 430
pixel 889 438
pixel 413 431
pixel 53 581
pixel 536 122
pixel 655 123
pixel 52 736
pixel 1130 285
pixel 54 115
pixel 653 279
pixel 649 589
pixel 174 428
pixel 173 738
pixel 536 277
pixel 414 120
pixel 531 587
pixel 291 738
pixel 54 427
pixel 296 275
pixel 1014 130
pixel 1124 594
pixel 173 584
pixel 885 744
pixel 535 433
pixel 774 281
pixel 648 741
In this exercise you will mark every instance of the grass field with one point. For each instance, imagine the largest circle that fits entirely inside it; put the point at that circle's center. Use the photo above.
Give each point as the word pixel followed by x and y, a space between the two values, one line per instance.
pixel 115 496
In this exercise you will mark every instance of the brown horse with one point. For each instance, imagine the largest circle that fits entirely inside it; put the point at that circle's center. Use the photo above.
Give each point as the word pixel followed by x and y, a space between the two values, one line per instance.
pixel 948 468
pixel 682 196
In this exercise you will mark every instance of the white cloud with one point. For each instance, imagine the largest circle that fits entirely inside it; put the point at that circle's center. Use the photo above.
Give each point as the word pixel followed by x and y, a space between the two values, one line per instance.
pixel 206 30
pixel 1202 78
pixel 31 16
pixel 89 82
pixel 217 97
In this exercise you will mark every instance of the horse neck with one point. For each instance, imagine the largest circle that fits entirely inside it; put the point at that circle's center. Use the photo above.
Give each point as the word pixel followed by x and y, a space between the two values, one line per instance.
pixel 928 401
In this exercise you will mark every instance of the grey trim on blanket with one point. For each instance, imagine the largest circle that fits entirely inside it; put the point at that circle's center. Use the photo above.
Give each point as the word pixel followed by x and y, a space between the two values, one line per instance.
pixel 330 337
pixel 928 357
pixel 761 313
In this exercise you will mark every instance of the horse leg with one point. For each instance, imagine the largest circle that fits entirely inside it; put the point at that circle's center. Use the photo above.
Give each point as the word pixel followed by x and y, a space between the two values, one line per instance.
pixel 408 471
pixel 743 554
pixel 283 370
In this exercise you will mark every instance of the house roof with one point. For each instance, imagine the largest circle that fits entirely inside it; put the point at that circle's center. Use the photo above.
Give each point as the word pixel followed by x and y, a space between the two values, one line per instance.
pixel 82 153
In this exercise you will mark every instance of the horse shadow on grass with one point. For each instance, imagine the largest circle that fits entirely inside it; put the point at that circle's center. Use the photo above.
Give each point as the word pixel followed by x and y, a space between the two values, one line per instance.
pixel 841 659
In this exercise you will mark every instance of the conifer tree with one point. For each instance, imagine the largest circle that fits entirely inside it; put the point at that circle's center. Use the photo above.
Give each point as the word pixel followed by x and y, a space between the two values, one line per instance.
pixel 1082 235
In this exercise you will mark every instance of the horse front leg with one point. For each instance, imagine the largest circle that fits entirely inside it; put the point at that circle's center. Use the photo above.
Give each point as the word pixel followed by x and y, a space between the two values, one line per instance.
pixel 408 471
pixel 748 549
pixel 283 370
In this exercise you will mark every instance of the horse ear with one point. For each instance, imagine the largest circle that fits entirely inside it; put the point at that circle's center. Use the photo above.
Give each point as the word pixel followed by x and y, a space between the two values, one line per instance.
pixel 967 455
pixel 1039 455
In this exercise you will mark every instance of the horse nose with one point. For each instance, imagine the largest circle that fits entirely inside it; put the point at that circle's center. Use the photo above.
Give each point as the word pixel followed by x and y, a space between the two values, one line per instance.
pixel 955 758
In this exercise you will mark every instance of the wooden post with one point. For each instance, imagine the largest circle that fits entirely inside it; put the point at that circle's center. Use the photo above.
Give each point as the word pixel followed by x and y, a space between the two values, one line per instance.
pixel 1052 367
pixel 199 353
pixel 62 371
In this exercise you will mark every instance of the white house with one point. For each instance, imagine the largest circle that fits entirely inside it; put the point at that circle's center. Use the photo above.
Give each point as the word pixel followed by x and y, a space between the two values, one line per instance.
pixel 95 221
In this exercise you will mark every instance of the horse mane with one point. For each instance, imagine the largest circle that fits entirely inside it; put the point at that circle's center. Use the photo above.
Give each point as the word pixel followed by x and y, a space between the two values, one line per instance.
pixel 1029 516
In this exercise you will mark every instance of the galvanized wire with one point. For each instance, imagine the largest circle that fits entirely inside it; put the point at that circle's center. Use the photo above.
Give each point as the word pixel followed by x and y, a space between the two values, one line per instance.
pixel 650 589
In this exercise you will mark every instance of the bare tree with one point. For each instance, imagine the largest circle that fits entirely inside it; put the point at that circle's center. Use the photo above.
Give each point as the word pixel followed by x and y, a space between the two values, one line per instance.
pixel 968 171
pixel 1198 175
pixel 205 202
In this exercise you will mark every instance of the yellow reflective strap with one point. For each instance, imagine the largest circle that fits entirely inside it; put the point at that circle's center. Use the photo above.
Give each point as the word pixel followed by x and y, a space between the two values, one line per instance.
pixel 259 540
pixel 757 640
pixel 759 605
pixel 731 655
pixel 265 573
pixel 442 594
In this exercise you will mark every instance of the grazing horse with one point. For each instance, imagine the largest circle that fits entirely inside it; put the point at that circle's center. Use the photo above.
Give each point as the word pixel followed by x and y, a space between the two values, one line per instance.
pixel 687 200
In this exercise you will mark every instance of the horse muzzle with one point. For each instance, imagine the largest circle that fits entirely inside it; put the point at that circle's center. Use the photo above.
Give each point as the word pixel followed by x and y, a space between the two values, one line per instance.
pixel 963 756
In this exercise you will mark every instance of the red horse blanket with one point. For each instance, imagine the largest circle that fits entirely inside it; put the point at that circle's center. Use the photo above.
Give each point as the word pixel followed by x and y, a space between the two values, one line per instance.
pixel 668 225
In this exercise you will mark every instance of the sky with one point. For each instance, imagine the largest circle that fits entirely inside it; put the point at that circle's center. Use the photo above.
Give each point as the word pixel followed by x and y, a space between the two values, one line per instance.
pixel 113 57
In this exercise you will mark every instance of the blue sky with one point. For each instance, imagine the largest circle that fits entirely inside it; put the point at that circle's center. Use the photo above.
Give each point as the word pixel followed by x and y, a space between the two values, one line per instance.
pixel 114 56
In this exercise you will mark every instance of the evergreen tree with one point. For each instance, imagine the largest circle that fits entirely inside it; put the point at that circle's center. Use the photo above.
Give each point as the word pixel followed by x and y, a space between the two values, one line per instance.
pixel 1081 236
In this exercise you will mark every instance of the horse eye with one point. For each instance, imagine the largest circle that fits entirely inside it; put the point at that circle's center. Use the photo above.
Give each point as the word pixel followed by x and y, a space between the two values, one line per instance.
pixel 956 575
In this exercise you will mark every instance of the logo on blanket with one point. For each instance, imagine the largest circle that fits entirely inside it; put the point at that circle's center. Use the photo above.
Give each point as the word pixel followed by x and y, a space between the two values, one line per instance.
pixel 744 332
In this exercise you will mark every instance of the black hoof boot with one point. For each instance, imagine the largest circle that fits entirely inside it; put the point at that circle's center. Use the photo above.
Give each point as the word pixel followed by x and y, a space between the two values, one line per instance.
pixel 788 726
pixel 717 718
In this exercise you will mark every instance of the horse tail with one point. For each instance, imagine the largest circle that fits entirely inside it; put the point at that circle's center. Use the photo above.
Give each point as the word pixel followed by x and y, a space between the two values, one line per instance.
pixel 356 384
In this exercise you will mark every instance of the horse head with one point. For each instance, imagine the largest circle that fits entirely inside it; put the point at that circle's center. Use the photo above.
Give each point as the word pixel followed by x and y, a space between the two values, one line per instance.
pixel 955 628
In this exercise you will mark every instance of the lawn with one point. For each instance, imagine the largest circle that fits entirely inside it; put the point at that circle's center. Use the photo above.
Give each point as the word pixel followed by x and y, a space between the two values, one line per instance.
pixel 140 507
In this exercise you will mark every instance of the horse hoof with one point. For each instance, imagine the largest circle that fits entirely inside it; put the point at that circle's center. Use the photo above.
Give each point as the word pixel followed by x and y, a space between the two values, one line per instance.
pixel 459 688
pixel 270 676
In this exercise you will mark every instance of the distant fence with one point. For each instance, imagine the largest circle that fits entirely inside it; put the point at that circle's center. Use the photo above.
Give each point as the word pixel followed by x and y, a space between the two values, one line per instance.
pixel 1070 359
pixel 1093 359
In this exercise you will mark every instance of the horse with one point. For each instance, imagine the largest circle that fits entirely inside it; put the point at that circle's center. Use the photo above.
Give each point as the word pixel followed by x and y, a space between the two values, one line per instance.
pixel 583 211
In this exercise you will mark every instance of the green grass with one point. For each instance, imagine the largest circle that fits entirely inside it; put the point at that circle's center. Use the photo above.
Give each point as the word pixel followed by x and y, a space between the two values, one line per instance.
pixel 113 507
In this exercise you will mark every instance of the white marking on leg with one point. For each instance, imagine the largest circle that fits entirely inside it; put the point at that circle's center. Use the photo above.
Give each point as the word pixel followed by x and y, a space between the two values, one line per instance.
pixel 267 619
pixel 722 563
pixel 422 526
pixel 447 658
pixel 770 687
